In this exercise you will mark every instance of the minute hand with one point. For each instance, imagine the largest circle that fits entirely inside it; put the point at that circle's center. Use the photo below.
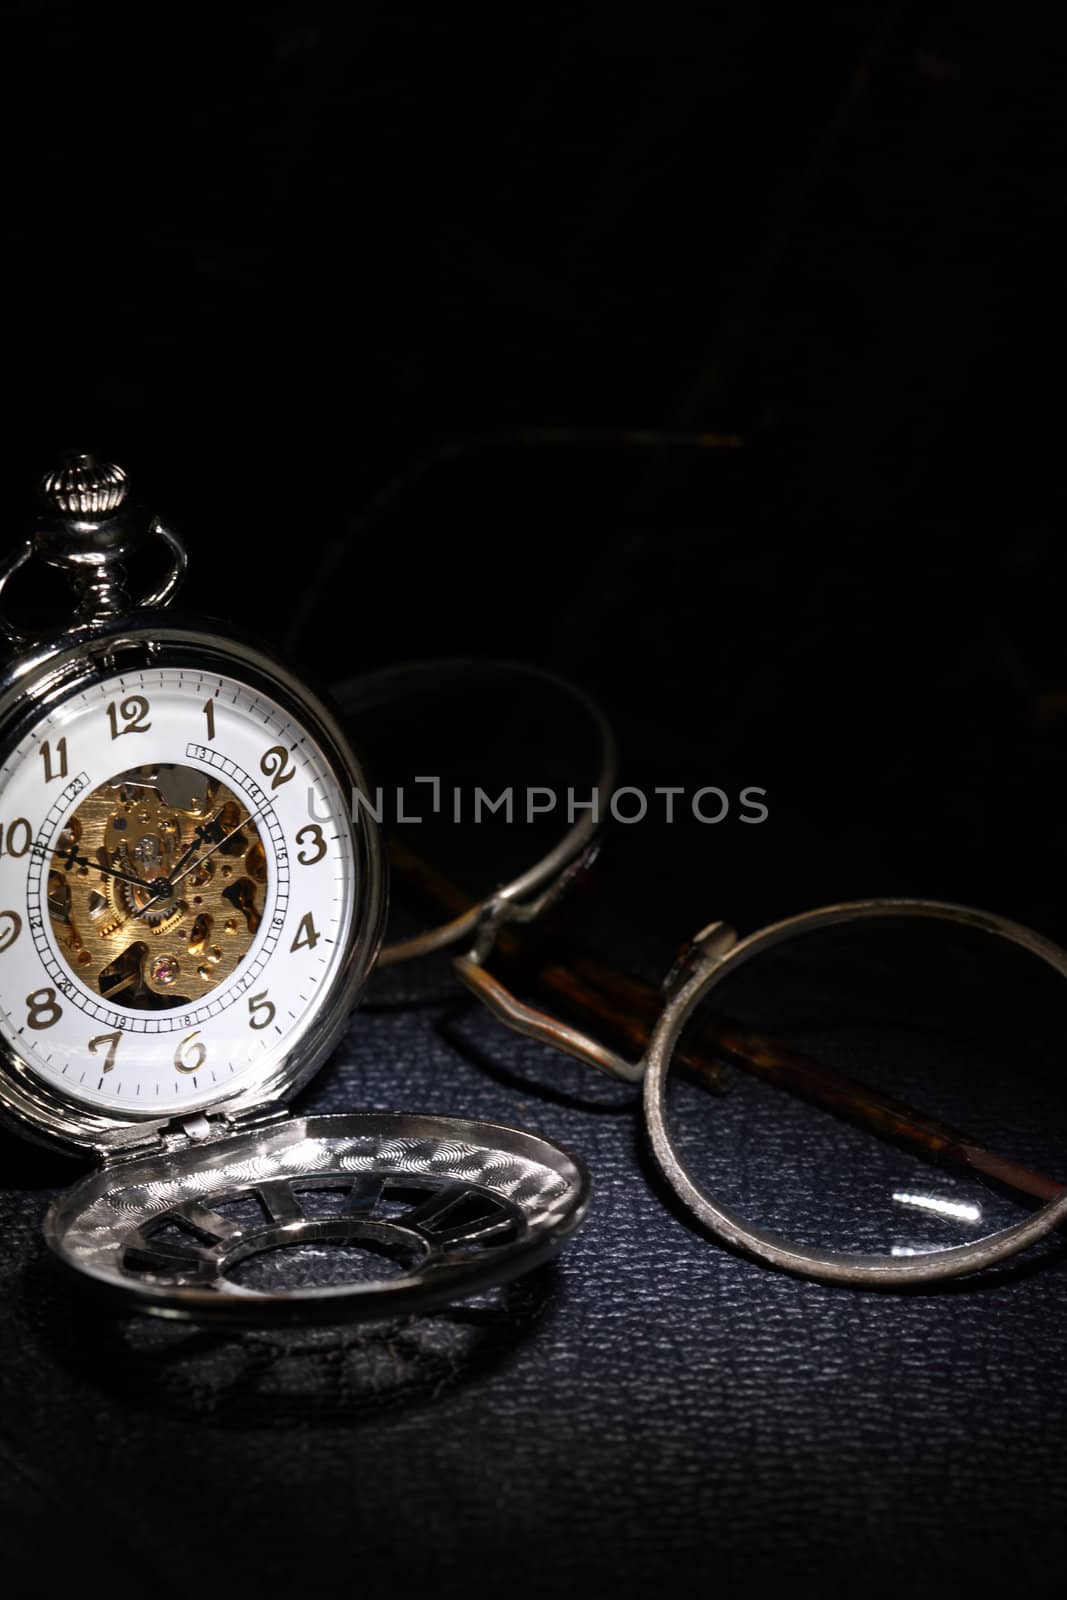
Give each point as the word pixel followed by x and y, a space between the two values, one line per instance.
pixel 198 861
pixel 172 876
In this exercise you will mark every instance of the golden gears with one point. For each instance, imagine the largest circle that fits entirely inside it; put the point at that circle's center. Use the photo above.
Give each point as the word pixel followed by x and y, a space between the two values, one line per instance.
pixel 156 886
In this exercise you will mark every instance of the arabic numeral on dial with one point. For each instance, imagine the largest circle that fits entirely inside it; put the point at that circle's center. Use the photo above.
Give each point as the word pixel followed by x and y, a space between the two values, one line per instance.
pixel 10 932
pixel 133 711
pixel 259 1002
pixel 191 1053
pixel 112 1040
pixel 273 766
pixel 16 840
pixel 57 768
pixel 43 1011
pixel 312 831
pixel 307 935
pixel 209 712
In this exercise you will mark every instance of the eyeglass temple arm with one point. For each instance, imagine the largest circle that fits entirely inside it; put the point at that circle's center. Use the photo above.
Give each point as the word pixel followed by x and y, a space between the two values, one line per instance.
pixel 707 948
pixel 535 1024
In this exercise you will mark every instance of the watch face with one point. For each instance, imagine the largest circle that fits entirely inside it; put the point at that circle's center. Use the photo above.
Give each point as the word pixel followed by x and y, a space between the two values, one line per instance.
pixel 176 890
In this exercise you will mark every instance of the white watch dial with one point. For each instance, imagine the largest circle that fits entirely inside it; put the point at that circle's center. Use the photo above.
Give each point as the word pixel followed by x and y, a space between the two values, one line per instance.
pixel 176 890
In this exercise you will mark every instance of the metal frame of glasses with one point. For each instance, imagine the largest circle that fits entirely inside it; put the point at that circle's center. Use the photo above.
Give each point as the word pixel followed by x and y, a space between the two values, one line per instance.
pixel 715 954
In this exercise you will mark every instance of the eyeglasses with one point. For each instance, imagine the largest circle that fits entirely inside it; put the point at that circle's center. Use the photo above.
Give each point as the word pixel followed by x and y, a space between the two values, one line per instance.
pixel 684 1033
pixel 713 958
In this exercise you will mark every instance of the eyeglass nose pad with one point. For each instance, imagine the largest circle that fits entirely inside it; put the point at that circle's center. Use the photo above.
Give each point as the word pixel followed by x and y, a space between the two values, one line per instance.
pixel 704 950
pixel 708 947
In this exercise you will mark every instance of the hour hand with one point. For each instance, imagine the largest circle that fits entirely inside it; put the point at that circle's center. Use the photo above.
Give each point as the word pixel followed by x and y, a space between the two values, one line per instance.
pixel 73 859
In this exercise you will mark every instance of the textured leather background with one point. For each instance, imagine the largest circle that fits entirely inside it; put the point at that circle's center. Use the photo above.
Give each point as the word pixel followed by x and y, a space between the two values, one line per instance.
pixel 650 1411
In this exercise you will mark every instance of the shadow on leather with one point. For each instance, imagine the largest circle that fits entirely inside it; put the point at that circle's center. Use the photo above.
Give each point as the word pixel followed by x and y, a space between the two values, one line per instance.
pixel 276 1378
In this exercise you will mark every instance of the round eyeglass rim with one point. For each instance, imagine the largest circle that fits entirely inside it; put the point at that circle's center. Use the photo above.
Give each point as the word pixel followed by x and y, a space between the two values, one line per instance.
pixel 831 1266
pixel 373 690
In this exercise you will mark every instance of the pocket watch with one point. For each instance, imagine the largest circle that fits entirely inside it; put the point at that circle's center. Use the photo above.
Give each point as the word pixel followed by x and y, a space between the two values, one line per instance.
pixel 192 898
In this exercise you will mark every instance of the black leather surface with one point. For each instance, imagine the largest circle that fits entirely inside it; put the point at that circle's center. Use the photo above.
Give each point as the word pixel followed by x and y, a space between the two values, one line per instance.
pixel 652 1410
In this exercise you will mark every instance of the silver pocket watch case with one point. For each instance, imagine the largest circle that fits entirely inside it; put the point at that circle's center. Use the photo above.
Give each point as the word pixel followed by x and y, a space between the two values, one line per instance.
pixel 229 1210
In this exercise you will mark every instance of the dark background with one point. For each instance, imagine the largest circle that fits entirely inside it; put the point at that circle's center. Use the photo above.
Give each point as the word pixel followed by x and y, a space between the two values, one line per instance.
pixel 273 257
pixel 278 259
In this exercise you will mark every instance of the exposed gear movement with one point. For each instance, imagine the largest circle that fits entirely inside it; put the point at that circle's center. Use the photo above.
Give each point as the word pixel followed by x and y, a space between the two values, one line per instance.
pixel 156 887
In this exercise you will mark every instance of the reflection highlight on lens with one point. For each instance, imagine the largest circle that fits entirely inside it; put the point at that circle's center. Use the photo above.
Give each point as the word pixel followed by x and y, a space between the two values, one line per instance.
pixel 960 1210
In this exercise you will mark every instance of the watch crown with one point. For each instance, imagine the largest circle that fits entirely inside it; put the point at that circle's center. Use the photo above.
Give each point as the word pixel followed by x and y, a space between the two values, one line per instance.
pixel 84 486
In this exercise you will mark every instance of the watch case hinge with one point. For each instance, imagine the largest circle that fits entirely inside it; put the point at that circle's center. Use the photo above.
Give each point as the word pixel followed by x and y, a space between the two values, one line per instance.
pixel 196 1128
